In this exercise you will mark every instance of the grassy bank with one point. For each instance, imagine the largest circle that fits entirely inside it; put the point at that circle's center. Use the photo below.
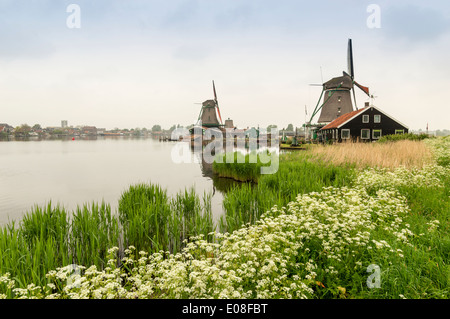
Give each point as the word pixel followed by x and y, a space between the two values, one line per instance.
pixel 298 173
pixel 48 237
pixel 51 237
pixel 326 228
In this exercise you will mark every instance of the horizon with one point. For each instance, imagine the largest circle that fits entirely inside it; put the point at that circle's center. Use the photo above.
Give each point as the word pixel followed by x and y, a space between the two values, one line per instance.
pixel 144 63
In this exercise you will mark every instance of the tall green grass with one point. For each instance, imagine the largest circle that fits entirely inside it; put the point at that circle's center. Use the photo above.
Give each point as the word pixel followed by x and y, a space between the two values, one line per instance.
pixel 152 221
pixel 50 237
pixel 144 212
pixel 94 229
pixel 298 173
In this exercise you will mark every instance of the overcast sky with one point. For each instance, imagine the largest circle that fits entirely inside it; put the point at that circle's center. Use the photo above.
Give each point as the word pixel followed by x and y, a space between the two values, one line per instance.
pixel 135 63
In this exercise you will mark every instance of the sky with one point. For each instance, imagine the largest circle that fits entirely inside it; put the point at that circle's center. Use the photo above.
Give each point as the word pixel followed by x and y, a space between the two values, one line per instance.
pixel 135 63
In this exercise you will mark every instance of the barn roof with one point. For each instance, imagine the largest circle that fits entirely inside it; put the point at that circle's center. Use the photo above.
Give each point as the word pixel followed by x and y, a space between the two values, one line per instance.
pixel 343 119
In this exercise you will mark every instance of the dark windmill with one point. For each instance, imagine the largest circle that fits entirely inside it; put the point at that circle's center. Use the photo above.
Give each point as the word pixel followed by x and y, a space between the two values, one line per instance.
pixel 336 94
pixel 208 116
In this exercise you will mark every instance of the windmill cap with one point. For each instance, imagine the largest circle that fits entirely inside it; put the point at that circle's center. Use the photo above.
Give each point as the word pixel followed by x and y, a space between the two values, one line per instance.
pixel 211 103
pixel 342 82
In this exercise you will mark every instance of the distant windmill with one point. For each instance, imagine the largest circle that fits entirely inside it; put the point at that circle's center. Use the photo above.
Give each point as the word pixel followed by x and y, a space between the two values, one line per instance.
pixel 208 115
pixel 336 93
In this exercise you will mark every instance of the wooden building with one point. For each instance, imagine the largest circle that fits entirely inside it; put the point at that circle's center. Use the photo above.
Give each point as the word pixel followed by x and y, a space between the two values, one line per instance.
pixel 365 125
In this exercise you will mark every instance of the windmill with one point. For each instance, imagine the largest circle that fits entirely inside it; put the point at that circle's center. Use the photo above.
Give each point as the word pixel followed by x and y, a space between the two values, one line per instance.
pixel 207 116
pixel 336 93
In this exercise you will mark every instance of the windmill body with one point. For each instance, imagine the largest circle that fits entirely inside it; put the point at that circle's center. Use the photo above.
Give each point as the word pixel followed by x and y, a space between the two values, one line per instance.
pixel 337 98
pixel 209 114
pixel 209 111
pixel 337 93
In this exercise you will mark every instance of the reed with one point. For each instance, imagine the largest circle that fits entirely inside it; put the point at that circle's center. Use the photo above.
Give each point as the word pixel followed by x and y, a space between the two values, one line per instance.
pixel 191 217
pixel 49 237
pixel 94 229
pixel 144 213
pixel 152 221
pixel 406 153
pixel 44 233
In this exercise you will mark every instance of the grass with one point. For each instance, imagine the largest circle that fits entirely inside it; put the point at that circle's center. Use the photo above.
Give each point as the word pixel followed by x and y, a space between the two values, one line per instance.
pixel 298 173
pixel 50 237
pixel 93 230
pixel 404 136
pixel 152 221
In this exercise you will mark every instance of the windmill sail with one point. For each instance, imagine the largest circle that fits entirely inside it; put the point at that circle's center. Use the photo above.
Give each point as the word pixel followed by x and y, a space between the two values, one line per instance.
pixel 217 102
pixel 351 71
pixel 365 89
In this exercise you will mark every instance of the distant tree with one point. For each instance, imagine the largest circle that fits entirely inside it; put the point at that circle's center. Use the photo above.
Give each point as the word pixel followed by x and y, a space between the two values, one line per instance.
pixel 290 127
pixel 156 128
pixel 22 130
pixel 36 127
pixel 271 126
pixel 137 131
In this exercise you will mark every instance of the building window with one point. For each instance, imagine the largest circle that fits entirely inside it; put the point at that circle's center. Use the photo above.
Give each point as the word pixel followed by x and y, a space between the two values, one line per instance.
pixel 376 134
pixel 365 134
pixel 377 118
pixel 345 134
pixel 399 131
pixel 365 118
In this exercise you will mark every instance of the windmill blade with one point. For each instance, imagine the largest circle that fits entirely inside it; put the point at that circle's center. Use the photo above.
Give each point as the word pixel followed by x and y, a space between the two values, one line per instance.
pixel 220 117
pixel 363 88
pixel 354 97
pixel 350 68
pixel 214 89
pixel 217 102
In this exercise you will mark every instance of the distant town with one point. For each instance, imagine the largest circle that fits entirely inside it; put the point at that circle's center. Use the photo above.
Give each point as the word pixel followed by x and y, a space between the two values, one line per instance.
pixel 36 131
